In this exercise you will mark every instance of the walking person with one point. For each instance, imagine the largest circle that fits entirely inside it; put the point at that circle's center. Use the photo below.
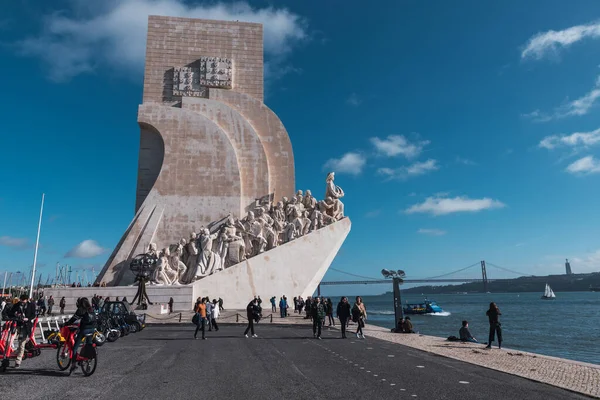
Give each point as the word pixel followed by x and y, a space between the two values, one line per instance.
pixel 318 314
pixel 209 311
pixel 62 304
pixel 273 306
pixel 170 305
pixel 251 313
pixel 343 313
pixel 215 314
pixel 330 312
pixel 221 304
pixel 200 309
pixel 359 315
pixel 495 327
pixel 50 305
pixel 24 312
pixel 282 306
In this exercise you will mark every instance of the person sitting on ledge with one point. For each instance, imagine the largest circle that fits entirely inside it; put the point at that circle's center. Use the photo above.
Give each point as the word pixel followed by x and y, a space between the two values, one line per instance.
pixel 407 326
pixel 399 327
pixel 465 334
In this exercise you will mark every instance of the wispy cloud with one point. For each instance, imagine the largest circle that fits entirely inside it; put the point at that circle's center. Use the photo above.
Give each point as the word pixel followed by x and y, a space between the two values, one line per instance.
pixel 416 169
pixel 373 213
pixel 395 145
pixel 574 140
pixel 354 100
pixel 465 161
pixel 113 34
pixel 577 107
pixel 86 249
pixel 431 232
pixel 584 166
pixel 444 205
pixel 350 163
pixel 9 241
pixel 551 42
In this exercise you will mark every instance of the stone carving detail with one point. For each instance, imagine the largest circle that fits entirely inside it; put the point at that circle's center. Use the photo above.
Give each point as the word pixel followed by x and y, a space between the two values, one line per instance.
pixel 230 240
pixel 215 72
pixel 186 82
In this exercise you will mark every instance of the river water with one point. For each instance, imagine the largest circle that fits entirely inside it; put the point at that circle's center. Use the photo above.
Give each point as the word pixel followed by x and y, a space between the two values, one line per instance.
pixel 567 327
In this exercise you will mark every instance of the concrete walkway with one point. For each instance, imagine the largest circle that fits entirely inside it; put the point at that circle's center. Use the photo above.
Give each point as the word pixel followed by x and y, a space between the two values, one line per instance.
pixel 570 375
pixel 284 362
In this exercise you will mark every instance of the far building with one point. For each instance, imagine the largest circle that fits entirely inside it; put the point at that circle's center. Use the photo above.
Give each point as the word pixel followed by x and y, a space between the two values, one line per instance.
pixel 568 267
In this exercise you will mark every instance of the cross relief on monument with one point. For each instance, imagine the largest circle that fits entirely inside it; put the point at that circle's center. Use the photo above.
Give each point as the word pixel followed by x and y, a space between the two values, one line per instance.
pixel 194 81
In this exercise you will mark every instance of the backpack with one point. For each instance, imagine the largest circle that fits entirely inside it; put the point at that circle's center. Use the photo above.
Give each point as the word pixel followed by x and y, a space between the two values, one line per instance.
pixel 355 313
pixel 196 318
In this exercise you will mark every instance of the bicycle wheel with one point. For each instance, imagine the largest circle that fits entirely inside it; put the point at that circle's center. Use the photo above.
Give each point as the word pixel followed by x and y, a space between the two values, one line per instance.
pixel 88 366
pixel 62 356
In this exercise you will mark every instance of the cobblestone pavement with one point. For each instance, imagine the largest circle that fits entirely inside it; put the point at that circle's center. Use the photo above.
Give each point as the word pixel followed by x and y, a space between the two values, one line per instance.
pixel 571 375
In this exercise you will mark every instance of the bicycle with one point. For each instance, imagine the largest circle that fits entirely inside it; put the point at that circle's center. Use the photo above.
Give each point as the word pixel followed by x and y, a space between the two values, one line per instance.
pixel 87 357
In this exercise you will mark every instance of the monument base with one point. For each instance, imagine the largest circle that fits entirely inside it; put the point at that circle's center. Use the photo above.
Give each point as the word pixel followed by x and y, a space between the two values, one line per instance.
pixel 291 269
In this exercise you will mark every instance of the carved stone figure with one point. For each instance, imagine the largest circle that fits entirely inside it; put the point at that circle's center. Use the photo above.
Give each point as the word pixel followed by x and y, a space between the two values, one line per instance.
pixel 209 261
pixel 162 272
pixel 335 193
pixel 231 246
pixel 316 219
pixel 152 250
pixel 176 263
pixel 309 201
pixel 305 223
pixel 289 232
pixel 192 252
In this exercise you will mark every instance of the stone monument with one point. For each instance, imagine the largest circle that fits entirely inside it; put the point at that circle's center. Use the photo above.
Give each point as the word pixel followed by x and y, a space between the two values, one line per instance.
pixel 216 189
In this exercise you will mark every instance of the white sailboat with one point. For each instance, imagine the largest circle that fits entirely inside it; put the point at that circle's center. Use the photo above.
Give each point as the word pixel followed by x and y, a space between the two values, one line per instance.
pixel 548 293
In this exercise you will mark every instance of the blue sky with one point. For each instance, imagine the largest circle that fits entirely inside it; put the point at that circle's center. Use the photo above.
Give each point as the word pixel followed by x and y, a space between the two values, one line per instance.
pixel 459 131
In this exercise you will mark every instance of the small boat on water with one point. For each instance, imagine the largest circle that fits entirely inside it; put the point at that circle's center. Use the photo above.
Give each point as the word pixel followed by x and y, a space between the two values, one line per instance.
pixel 548 293
pixel 426 307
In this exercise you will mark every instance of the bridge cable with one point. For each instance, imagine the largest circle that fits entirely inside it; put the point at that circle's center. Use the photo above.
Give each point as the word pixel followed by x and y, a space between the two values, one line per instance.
pixel 454 272
pixel 507 270
pixel 348 273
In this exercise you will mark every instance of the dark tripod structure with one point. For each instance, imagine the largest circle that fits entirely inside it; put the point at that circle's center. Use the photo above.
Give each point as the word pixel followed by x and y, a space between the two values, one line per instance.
pixel 142 266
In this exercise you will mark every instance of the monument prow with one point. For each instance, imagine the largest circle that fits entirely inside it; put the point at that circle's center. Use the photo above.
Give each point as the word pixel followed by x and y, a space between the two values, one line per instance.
pixel 216 204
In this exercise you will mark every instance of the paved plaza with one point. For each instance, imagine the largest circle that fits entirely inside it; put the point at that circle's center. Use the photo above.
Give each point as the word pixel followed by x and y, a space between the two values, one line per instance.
pixel 284 362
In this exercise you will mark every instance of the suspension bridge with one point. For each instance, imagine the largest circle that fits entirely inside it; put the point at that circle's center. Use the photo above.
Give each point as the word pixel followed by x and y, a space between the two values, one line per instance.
pixel 444 278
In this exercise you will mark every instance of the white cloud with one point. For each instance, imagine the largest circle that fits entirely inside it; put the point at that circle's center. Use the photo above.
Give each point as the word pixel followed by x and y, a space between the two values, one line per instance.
pixel 443 205
pixel 354 100
pixel 465 161
pixel 373 214
pixel 551 42
pixel 113 33
pixel 585 165
pixel 577 107
pixel 574 140
pixel 431 232
pixel 351 163
pixel 586 263
pixel 9 241
pixel 395 145
pixel 416 169
pixel 85 249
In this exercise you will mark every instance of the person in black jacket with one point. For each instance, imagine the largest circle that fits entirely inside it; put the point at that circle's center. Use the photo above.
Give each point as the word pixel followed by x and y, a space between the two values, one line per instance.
pixel 251 313
pixel 343 313
pixel 24 314
pixel 495 327
pixel 87 325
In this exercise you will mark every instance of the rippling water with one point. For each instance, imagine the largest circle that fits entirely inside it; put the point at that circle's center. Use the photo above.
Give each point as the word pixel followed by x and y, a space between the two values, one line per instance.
pixel 567 327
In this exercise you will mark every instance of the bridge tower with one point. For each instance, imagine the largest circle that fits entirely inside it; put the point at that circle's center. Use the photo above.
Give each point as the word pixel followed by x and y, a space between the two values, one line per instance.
pixel 484 276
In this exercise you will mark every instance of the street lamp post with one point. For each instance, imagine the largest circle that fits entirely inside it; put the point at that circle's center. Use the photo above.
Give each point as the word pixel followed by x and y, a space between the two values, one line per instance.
pixel 397 280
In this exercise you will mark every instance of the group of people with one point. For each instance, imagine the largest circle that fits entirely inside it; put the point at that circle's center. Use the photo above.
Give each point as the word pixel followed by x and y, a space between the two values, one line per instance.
pixel 206 312
pixel 43 305
pixel 493 314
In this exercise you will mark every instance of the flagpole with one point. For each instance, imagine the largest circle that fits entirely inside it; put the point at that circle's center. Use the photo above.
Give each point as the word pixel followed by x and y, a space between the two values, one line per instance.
pixel 37 242
pixel 4 285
